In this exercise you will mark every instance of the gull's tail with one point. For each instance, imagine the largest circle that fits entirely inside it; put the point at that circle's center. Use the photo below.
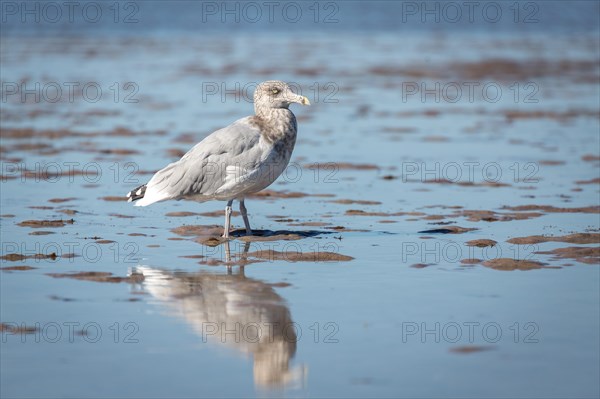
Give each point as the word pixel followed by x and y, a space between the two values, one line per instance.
pixel 137 193
pixel 157 189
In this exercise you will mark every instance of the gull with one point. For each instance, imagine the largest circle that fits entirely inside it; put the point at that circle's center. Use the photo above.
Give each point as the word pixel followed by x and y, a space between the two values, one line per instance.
pixel 231 163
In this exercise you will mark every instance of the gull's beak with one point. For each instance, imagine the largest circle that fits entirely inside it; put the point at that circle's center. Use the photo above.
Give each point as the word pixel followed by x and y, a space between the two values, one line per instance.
pixel 300 100
pixel 304 100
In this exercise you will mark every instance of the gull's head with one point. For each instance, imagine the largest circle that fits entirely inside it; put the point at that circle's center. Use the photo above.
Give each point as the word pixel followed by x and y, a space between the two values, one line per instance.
pixel 276 94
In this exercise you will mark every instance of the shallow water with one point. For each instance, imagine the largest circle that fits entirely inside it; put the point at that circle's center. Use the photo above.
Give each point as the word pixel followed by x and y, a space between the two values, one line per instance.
pixel 403 318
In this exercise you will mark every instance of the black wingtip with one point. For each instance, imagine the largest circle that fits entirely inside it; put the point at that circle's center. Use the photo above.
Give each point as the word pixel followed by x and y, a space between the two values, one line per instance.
pixel 136 194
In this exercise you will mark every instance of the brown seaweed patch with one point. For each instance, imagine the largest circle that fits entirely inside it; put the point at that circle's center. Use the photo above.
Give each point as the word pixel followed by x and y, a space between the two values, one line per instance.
pixel 36 224
pixel 100 277
pixel 398 129
pixel 281 284
pixel 60 298
pixel 449 230
pixel 463 183
pixel 509 264
pixel 14 257
pixel 118 151
pixel 552 209
pixel 113 198
pixel 434 217
pixel 443 206
pixel 551 162
pixel 17 268
pixel 206 235
pixel 211 241
pixel 296 256
pixel 30 147
pixel 214 214
pixel 359 212
pixel 68 211
pixel 278 194
pixel 333 166
pixel 61 200
pixel 590 158
pixel 41 233
pixel 421 265
pixel 310 224
pixel 590 255
pixel 187 138
pixel 197 230
pixel 49 174
pixel 182 214
pixel 491 216
pixel 27 133
pixel 175 152
pixel 532 68
pixel 577 238
pixel 502 69
pixel 309 71
pixel 119 215
pixel 591 181
pixel 555 115
pixel 219 213
pixel 481 243
pixel 276 235
pixel 467 349
pixel 17 329
pixel 358 202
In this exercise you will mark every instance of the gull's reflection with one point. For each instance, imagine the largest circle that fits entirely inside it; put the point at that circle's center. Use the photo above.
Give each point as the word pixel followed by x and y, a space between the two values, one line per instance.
pixel 236 311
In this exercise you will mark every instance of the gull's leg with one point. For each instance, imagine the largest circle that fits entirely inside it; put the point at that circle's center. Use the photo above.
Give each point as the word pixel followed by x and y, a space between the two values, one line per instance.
pixel 227 255
pixel 227 219
pixel 245 217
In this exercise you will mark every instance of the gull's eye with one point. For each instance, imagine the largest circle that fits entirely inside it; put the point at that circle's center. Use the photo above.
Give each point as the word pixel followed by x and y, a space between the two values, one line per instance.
pixel 275 91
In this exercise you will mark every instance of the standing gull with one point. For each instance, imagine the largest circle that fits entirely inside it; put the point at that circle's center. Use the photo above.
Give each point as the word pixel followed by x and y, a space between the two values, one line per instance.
pixel 231 163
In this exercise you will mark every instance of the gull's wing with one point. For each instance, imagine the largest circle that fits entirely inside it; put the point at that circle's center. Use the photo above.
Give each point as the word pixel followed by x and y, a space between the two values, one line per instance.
pixel 227 155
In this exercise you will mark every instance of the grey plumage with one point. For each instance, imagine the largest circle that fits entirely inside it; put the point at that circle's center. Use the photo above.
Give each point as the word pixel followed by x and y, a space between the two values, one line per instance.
pixel 240 159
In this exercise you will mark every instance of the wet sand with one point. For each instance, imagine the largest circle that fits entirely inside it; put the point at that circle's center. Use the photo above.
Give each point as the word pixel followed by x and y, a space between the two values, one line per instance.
pixel 418 223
